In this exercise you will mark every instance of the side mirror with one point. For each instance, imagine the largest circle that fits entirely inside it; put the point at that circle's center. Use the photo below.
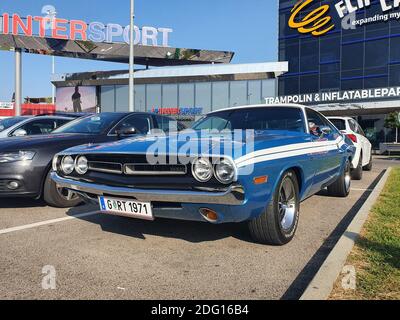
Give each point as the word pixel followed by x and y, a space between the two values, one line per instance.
pixel 126 132
pixel 20 133
pixel 326 130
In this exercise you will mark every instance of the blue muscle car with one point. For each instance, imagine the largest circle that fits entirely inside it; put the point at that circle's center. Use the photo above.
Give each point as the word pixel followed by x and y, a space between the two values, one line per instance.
pixel 253 163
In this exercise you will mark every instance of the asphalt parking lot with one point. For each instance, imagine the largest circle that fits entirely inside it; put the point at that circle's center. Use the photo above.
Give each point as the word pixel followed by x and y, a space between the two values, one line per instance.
pixel 105 257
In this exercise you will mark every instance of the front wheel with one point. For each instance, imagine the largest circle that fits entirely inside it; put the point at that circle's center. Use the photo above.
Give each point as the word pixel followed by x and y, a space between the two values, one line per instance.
pixel 277 225
pixel 341 187
pixel 59 197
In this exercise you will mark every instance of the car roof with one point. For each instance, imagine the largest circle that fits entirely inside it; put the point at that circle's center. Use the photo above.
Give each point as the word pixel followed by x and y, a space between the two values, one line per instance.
pixel 286 105
pixel 341 118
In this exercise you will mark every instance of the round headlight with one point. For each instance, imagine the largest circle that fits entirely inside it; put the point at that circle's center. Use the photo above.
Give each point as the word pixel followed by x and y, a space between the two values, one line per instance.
pixel 67 165
pixel 81 165
pixel 202 169
pixel 225 171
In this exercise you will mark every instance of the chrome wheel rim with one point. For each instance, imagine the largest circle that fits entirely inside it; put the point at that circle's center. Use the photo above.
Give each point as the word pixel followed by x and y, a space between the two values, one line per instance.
pixel 287 204
pixel 66 194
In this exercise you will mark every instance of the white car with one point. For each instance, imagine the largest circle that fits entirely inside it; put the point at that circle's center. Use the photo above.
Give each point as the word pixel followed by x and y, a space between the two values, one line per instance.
pixel 363 156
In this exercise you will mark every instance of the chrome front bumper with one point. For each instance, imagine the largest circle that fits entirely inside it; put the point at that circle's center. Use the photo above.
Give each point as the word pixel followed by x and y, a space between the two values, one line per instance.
pixel 233 196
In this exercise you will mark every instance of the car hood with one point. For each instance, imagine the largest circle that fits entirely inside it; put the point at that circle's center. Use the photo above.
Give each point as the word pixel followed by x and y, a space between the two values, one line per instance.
pixel 234 145
pixel 42 141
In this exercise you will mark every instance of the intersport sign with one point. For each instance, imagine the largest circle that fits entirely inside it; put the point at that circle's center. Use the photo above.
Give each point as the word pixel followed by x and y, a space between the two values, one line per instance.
pixel 50 26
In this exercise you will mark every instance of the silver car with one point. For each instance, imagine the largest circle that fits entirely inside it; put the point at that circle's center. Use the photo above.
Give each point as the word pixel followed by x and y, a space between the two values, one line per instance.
pixel 30 125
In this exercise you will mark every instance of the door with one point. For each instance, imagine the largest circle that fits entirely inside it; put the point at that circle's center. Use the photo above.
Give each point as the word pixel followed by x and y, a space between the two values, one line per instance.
pixel 327 158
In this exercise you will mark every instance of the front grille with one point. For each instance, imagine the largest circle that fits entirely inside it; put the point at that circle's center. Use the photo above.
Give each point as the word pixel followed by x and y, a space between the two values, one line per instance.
pixel 106 167
pixel 3 186
pixel 133 165
pixel 157 169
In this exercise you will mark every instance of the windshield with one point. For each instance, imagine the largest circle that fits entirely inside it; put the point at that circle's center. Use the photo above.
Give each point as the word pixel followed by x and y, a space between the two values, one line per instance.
pixel 96 124
pixel 8 123
pixel 269 118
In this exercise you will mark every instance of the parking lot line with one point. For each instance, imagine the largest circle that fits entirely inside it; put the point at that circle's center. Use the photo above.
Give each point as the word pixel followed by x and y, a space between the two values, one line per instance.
pixel 361 189
pixel 44 223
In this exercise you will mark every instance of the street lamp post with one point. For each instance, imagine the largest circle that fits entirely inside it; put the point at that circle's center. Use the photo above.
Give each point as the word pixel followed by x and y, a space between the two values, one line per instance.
pixel 132 59
pixel 18 81
pixel 53 88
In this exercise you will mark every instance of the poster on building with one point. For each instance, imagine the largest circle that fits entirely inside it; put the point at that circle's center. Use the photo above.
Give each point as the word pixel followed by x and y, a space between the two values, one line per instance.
pixel 76 99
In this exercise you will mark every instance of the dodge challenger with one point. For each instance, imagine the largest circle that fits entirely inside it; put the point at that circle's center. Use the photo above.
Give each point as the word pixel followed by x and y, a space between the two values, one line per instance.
pixel 252 164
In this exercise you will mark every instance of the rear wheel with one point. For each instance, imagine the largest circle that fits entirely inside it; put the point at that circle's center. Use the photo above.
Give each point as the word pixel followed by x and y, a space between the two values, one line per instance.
pixel 341 187
pixel 357 173
pixel 277 225
pixel 59 197
pixel 368 167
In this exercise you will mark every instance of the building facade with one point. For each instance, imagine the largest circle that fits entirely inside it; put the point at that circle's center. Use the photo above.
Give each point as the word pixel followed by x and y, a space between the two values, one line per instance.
pixel 185 92
pixel 347 58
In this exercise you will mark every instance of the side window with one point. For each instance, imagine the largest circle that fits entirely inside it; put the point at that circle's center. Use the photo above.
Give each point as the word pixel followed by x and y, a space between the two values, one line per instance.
pixel 38 127
pixel 314 119
pixel 316 122
pixel 353 126
pixel 61 122
pixel 141 122
pixel 360 130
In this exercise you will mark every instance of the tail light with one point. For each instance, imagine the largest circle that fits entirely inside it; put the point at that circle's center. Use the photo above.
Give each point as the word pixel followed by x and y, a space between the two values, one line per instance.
pixel 353 137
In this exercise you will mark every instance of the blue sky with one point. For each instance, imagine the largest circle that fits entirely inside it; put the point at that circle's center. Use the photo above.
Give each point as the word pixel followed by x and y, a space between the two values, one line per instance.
pixel 249 28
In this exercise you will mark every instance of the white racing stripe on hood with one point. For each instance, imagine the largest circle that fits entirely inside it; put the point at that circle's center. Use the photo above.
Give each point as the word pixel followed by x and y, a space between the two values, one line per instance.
pixel 292 150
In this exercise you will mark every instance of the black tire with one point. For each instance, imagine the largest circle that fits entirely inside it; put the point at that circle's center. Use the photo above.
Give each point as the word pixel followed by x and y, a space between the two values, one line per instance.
pixel 357 173
pixel 341 187
pixel 55 197
pixel 269 227
pixel 368 167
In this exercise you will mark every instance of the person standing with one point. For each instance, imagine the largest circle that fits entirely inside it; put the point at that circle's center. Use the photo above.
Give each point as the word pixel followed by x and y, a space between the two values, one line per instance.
pixel 76 100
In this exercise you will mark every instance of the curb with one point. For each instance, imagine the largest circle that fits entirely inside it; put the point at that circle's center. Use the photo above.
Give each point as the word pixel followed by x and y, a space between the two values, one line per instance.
pixel 322 284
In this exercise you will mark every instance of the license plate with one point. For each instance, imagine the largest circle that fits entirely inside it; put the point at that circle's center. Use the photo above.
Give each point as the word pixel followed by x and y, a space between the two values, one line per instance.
pixel 126 208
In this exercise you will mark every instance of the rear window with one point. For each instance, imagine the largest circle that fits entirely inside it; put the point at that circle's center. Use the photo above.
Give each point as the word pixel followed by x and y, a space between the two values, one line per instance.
pixel 8 123
pixel 339 123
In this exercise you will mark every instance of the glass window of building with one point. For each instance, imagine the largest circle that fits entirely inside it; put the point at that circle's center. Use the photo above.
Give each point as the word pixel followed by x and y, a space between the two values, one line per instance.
pixel 309 84
pixel 268 89
pixel 121 98
pixel 394 75
pixel 254 92
pixel 170 96
pixel 288 85
pixel 330 49
pixel 203 96
pixel 153 96
pixel 220 95
pixel 330 81
pixel 290 51
pixel 140 97
pixel 238 93
pixel 376 53
pixel 309 55
pixel 395 49
pixel 186 95
pixel 107 99
pixel 353 56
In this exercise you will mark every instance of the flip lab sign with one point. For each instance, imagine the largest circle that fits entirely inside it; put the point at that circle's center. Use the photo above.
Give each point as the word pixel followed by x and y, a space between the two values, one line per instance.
pixel 319 22
pixel 57 28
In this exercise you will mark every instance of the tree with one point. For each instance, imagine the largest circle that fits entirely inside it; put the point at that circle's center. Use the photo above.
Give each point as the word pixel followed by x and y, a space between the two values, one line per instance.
pixel 392 121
